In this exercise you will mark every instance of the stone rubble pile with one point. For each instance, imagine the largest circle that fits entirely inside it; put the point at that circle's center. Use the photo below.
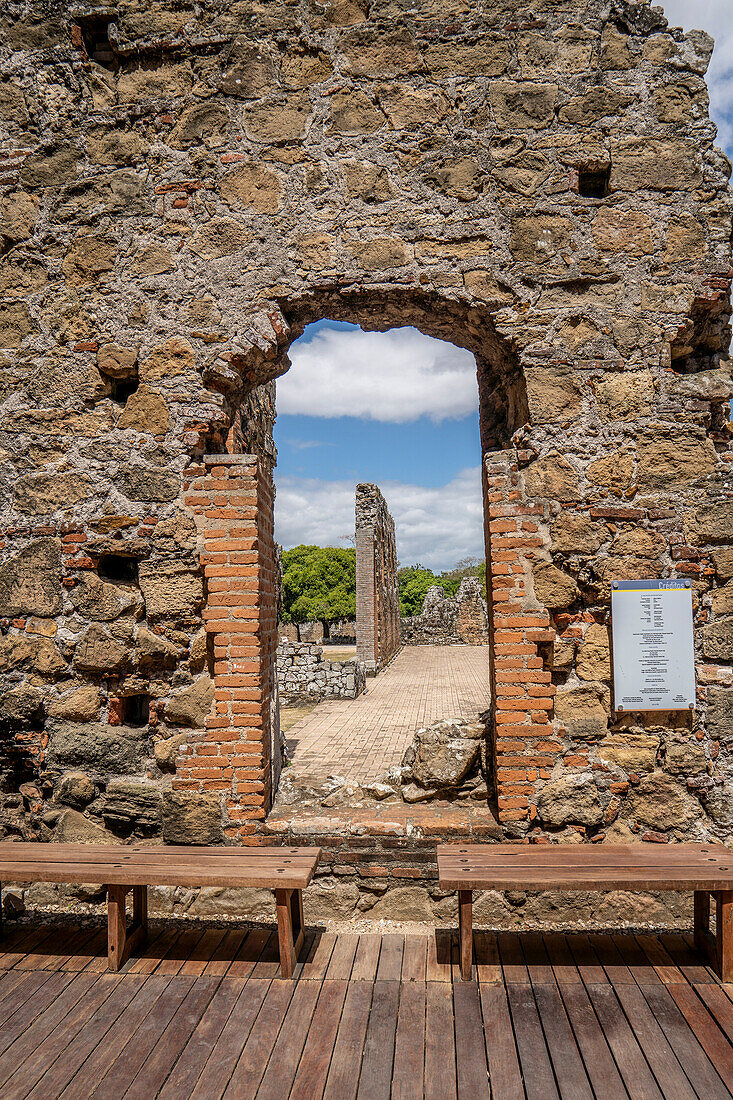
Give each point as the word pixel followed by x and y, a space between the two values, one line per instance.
pixel 449 620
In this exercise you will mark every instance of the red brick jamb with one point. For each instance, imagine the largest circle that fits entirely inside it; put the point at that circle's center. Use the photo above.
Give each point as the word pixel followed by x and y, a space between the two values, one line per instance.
pixel 233 495
pixel 524 747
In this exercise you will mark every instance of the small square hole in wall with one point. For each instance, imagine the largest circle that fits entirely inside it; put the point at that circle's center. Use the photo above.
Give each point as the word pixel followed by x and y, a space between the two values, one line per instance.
pixel 122 388
pixel 95 36
pixel 118 568
pixel 135 710
pixel 593 185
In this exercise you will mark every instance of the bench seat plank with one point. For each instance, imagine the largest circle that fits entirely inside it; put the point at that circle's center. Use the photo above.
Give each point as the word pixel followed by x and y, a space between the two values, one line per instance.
pixel 703 869
pixel 127 869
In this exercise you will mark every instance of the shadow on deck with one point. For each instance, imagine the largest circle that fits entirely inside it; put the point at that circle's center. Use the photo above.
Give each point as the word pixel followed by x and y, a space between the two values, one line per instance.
pixel 203 1013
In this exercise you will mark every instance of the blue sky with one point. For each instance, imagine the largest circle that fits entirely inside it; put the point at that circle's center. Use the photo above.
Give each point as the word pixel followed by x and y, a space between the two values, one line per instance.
pixel 400 409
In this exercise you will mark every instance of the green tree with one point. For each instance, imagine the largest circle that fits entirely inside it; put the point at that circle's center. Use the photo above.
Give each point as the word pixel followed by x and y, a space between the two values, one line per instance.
pixel 319 583
pixel 413 582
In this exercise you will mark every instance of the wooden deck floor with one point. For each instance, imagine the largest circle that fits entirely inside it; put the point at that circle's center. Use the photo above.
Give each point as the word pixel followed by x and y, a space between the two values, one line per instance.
pixel 202 1013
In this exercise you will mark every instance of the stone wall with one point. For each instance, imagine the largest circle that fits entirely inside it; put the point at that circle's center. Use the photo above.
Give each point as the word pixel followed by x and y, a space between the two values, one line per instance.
pixel 183 188
pixel 303 675
pixel 449 620
pixel 377 598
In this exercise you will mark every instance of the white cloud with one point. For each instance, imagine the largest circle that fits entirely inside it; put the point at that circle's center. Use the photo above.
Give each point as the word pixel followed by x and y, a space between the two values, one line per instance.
pixel 715 17
pixel 394 376
pixel 435 526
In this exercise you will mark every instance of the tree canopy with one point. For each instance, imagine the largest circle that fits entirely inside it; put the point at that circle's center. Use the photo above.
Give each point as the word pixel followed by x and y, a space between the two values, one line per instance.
pixel 319 584
pixel 415 580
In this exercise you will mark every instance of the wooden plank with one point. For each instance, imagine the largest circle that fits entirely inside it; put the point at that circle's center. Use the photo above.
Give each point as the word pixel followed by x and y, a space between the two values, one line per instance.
pixel 21 984
pixel 687 959
pixel 471 1066
pixel 660 959
pixel 171 1041
pixel 286 1053
pixel 565 1057
pixel 196 962
pixel 657 1050
pixel 627 1054
pixel 414 959
pixel 115 1038
pixel 390 958
pixel 440 1048
pixel 438 968
pixel 488 962
pixel 156 950
pixel 26 1012
pixel 268 964
pixel 342 957
pixel 198 1049
pixel 409 1055
pixel 84 955
pixel 539 1079
pixel 561 958
pixel 706 1030
pixel 245 1079
pixel 693 1059
pixel 611 960
pixel 53 1045
pixel 379 1044
pixel 310 1077
pixel 131 1055
pixel 366 959
pixel 597 1057
pixel 536 959
pixel 343 1075
pixel 636 960
pixel 316 965
pixel 179 951
pixel 505 1077
pixel 24 946
pixel 23 1045
pixel 228 1047
pixel 61 1071
pixel 225 953
pixel 586 960
pixel 249 953
pixel 512 959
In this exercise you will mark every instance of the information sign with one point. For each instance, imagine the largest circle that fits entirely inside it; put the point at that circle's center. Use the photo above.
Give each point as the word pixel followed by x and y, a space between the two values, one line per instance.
pixel 653 647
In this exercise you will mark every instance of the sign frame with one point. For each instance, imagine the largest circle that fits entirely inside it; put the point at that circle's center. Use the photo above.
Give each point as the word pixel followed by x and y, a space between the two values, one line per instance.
pixel 653 646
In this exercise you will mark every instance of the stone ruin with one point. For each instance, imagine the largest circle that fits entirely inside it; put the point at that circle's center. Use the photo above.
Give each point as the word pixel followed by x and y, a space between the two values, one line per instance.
pixel 304 677
pixel 377 597
pixel 449 620
pixel 183 188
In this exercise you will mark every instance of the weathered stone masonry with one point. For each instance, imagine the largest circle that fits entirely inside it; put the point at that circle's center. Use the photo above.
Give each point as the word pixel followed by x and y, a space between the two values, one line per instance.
pixel 377 598
pixel 182 190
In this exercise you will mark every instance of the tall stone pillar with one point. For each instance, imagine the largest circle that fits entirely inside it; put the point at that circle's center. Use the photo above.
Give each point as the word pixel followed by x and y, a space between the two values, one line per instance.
pixel 377 599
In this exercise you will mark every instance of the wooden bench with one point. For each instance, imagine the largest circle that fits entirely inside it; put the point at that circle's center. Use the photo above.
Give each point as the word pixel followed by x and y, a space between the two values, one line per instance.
pixel 124 870
pixel 704 869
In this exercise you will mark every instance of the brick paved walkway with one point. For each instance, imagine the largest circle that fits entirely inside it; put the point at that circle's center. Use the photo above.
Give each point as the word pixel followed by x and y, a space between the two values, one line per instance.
pixel 362 738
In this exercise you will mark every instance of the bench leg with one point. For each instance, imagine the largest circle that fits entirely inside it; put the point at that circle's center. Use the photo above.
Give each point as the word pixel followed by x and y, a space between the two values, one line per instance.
pixel 465 932
pixel 290 929
pixel 702 920
pixel 116 926
pixel 724 934
pixel 121 940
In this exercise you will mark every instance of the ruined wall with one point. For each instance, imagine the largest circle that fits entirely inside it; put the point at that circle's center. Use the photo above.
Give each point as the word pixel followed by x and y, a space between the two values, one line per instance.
pixel 303 675
pixel 182 189
pixel 377 599
pixel 449 620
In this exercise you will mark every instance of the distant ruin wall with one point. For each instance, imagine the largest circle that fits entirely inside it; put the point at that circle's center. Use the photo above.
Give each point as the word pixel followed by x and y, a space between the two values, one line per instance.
pixel 377 600
pixel 449 620
pixel 303 675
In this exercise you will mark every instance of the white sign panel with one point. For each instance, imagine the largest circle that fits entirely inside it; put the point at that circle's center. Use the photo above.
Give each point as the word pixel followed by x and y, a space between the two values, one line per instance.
pixel 653 646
